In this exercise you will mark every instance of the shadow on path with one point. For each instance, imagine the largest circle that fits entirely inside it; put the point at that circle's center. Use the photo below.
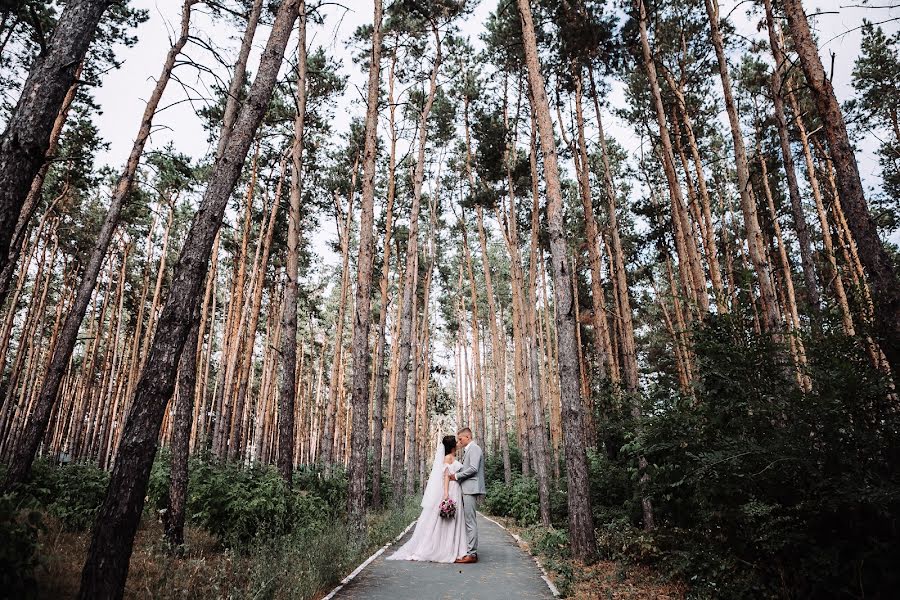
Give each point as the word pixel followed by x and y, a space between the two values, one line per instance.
pixel 503 571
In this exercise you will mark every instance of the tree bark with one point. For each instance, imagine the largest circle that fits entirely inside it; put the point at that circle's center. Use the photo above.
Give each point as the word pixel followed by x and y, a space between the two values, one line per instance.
pixel 581 523
pixel 181 437
pixel 24 144
pixel 378 410
pixel 111 543
pixel 288 380
pixel 755 243
pixel 800 226
pixel 412 250
pixel 688 257
pixel 359 400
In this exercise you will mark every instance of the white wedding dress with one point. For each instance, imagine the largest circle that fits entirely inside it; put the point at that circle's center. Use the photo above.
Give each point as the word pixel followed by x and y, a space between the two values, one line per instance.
pixel 436 539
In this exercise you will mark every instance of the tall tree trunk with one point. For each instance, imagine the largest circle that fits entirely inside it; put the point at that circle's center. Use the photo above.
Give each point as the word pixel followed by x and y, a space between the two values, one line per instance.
pixel 335 384
pixel 581 523
pixel 498 357
pixel 412 251
pixel 629 353
pixel 21 464
pixel 800 226
pixel 24 144
pixel 257 285
pixel 602 341
pixel 378 417
pixel 755 243
pixel 359 400
pixel 181 437
pixel 112 539
pixel 882 275
pixel 288 381
pixel 689 258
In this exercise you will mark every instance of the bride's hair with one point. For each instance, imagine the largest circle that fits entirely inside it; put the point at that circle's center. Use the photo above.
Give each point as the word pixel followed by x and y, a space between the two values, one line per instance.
pixel 449 442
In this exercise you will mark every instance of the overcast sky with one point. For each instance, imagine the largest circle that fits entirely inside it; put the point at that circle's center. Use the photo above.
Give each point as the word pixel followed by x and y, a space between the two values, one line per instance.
pixel 124 91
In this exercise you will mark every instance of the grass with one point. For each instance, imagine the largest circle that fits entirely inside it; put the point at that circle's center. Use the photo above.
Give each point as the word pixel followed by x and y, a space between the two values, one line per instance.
pixel 303 564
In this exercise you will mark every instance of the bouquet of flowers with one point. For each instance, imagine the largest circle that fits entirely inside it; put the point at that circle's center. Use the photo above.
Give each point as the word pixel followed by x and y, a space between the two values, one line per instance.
pixel 447 509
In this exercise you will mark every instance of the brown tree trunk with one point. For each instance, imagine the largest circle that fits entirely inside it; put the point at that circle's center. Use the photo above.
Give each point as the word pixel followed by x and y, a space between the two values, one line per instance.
pixel 602 342
pixel 755 243
pixel 24 144
pixel 882 275
pixel 581 523
pixel 21 464
pixel 688 256
pixel 111 543
pixel 359 401
pixel 288 380
pixel 629 353
pixel 335 384
pixel 787 157
pixel 412 250
pixel 181 437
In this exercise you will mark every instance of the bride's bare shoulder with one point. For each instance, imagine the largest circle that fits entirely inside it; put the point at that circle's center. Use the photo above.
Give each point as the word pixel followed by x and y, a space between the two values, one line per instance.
pixel 449 459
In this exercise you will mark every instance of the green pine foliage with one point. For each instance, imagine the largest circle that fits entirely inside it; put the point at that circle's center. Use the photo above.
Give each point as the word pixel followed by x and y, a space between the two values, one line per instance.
pixel 759 490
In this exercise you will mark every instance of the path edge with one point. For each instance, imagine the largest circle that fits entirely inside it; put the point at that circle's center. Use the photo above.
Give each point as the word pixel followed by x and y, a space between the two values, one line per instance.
pixel 367 562
pixel 553 589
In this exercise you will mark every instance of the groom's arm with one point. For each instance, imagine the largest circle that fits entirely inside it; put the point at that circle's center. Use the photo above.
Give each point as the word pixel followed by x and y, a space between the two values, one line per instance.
pixel 470 468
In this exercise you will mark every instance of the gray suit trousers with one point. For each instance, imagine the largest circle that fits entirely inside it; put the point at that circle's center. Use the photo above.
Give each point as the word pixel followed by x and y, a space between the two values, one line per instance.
pixel 470 505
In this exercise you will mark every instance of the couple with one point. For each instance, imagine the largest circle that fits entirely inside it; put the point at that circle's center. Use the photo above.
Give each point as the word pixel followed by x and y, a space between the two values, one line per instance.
pixel 453 539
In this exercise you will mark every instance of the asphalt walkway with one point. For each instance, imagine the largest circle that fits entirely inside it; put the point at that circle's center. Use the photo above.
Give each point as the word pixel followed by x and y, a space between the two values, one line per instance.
pixel 503 572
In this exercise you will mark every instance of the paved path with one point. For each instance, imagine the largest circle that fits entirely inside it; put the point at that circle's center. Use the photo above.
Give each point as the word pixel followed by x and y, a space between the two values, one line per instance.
pixel 503 571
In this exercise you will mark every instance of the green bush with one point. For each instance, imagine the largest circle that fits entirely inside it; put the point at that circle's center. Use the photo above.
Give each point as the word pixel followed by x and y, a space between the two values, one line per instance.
pixel 71 493
pixel 239 505
pixel 760 490
pixel 18 549
pixel 518 500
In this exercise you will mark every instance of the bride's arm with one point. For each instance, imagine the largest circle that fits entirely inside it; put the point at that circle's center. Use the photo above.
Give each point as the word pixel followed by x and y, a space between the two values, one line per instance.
pixel 446 483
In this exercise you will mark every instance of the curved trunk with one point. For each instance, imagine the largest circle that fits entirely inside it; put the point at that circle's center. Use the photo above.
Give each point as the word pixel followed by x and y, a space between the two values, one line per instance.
pixel 21 463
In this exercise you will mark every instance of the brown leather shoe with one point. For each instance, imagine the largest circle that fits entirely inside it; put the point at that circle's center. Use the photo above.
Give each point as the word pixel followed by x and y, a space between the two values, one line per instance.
pixel 469 558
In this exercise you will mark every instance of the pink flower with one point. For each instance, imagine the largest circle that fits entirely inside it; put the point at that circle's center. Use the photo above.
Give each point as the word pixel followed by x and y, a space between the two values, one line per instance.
pixel 447 509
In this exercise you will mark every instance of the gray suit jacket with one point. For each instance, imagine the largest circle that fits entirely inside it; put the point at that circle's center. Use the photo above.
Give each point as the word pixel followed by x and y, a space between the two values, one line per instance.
pixel 471 475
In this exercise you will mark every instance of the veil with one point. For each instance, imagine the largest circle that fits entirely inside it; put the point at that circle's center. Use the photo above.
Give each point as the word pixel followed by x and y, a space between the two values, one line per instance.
pixel 434 489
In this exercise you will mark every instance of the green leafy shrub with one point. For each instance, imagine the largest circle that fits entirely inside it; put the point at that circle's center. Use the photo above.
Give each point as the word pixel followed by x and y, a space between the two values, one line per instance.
pixel 71 493
pixel 518 500
pixel 18 549
pixel 761 490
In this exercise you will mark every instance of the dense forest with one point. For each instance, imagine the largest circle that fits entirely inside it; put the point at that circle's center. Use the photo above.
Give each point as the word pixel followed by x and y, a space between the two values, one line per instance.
pixel 224 375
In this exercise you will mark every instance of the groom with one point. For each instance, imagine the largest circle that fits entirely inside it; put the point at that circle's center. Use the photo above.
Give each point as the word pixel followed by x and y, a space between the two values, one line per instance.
pixel 471 480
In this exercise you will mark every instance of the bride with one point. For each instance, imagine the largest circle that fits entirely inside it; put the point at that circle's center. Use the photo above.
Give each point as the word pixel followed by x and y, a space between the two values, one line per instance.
pixel 437 539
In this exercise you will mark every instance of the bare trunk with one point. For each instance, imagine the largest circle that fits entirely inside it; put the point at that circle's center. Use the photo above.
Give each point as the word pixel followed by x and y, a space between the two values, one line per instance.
pixel 288 380
pixel 755 242
pixel 112 539
pixel 359 401
pixel 877 262
pixel 787 157
pixel 581 524
pixel 412 249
